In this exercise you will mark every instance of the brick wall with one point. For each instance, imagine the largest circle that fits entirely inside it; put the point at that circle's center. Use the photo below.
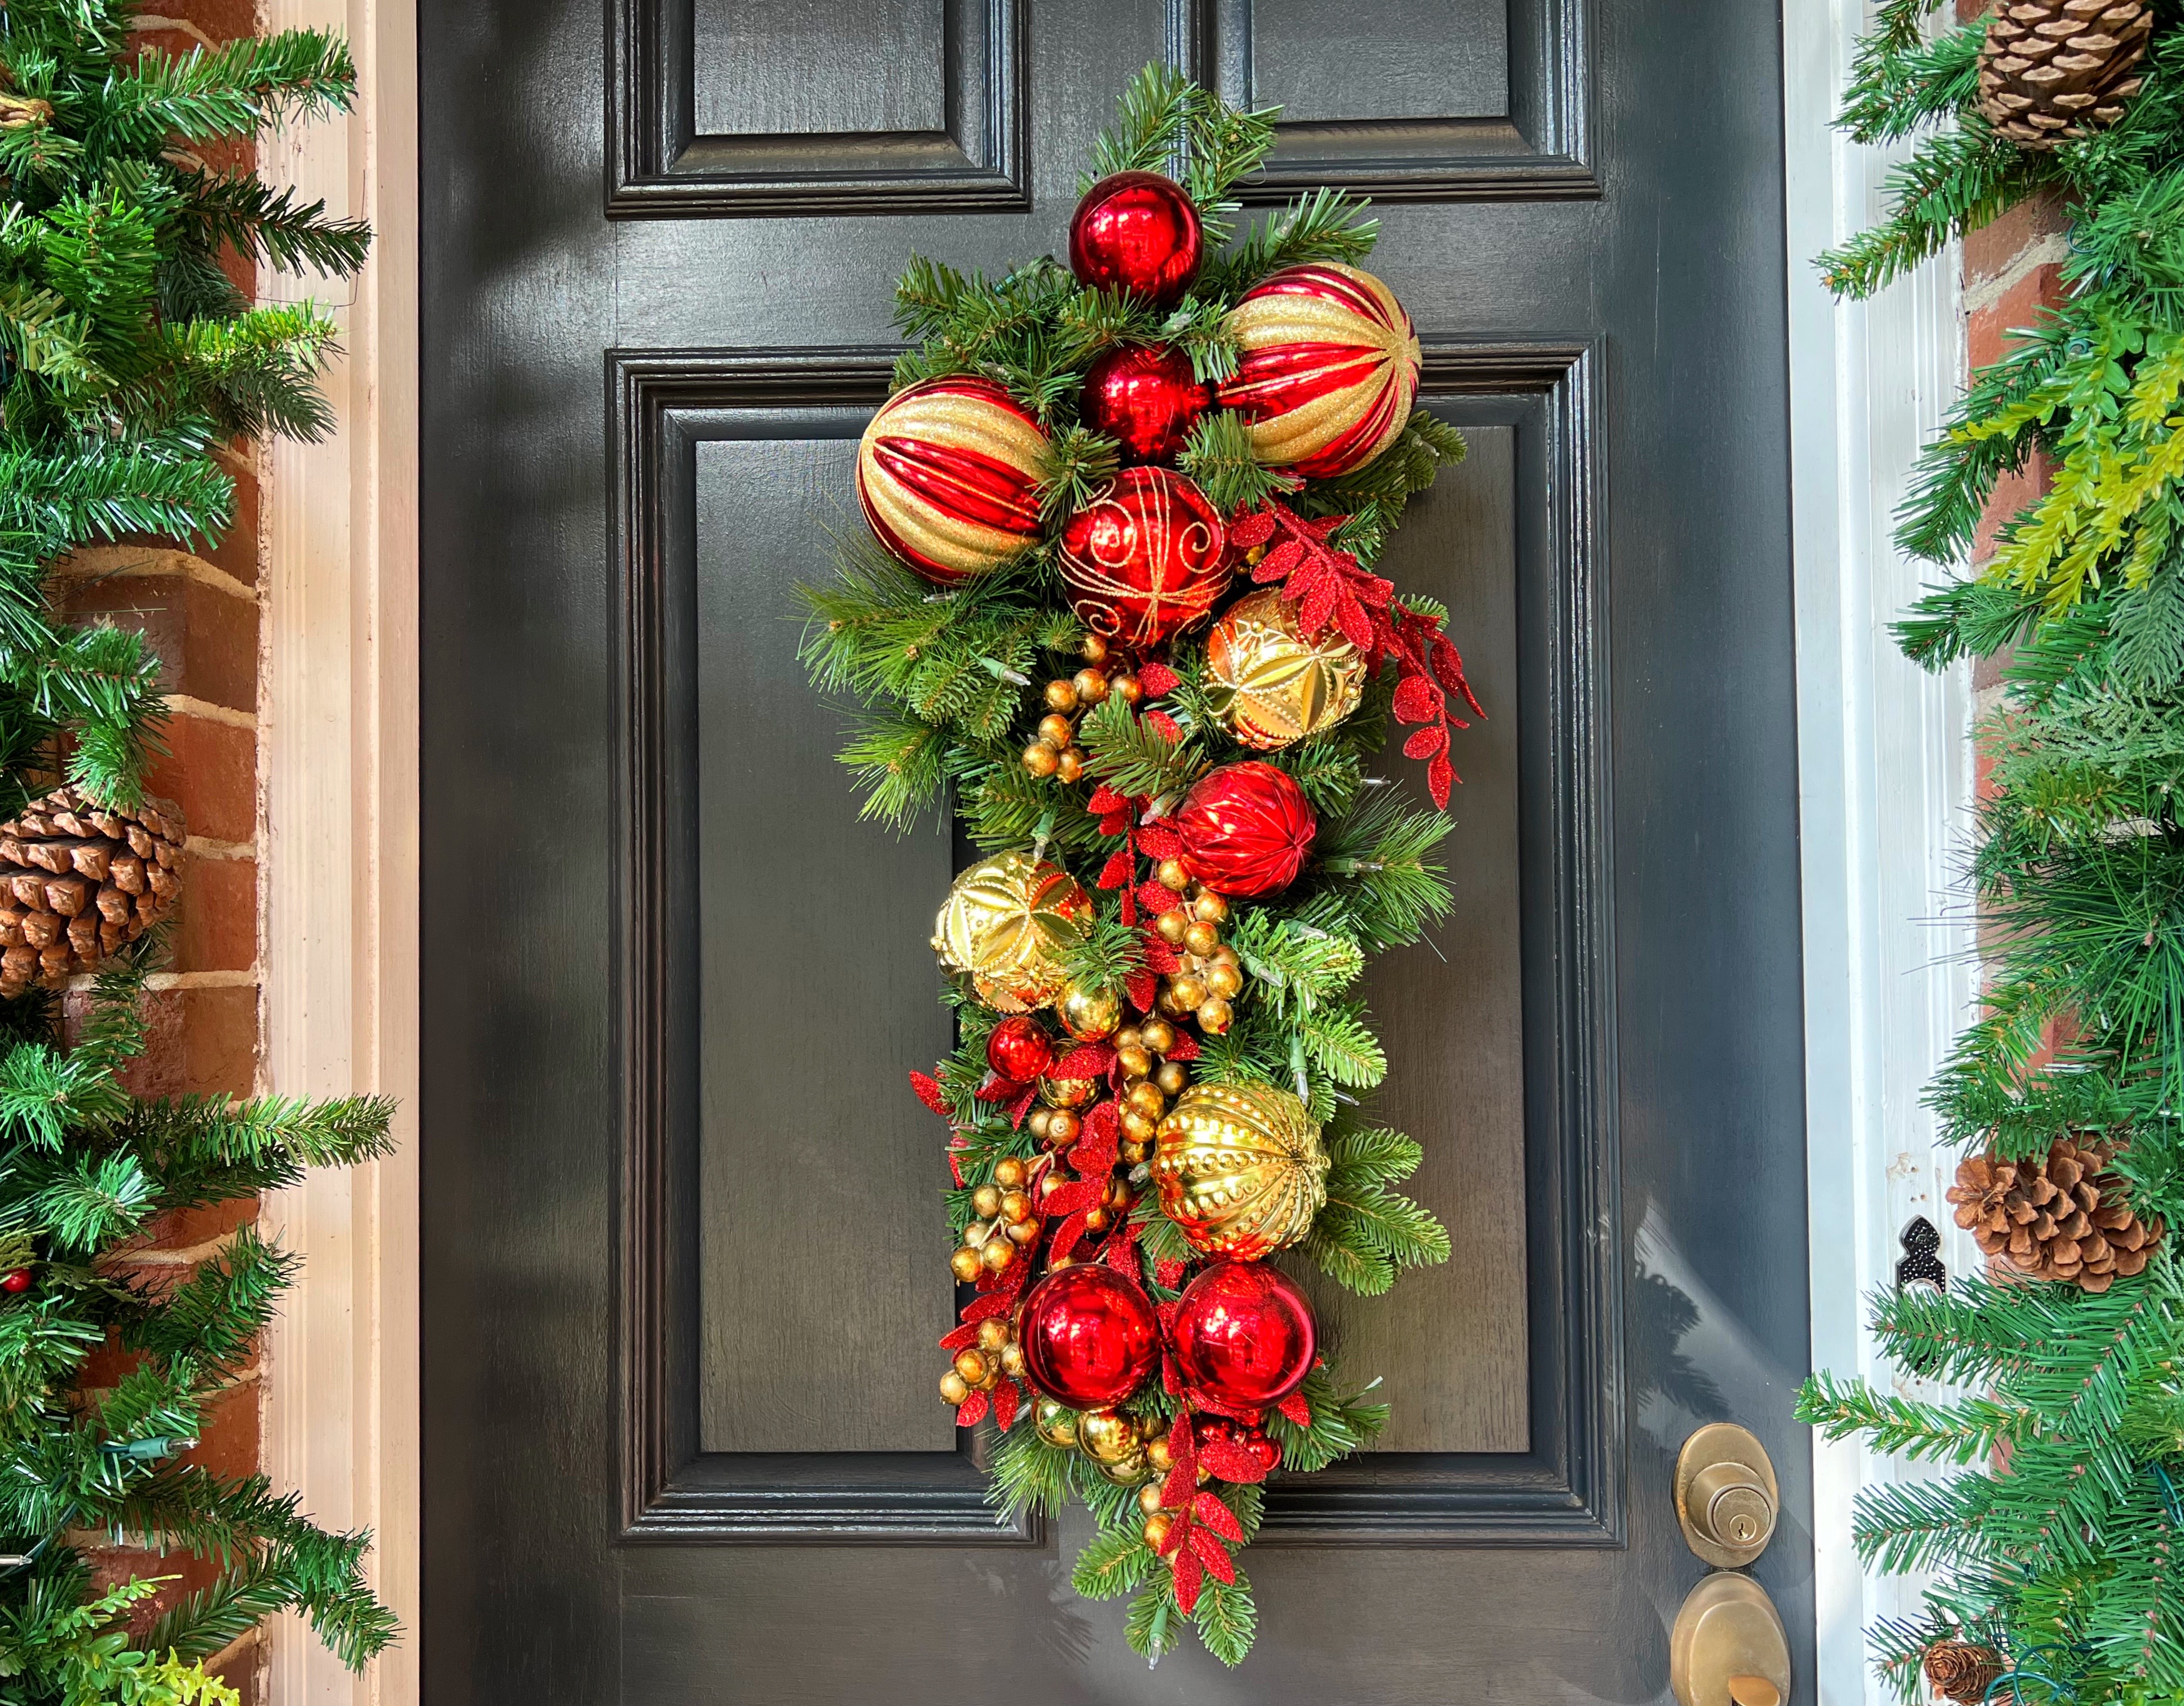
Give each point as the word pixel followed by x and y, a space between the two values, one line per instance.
pixel 201 615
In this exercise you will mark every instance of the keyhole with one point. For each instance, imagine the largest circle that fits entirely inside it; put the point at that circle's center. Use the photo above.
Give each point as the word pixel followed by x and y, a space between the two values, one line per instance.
pixel 1921 1265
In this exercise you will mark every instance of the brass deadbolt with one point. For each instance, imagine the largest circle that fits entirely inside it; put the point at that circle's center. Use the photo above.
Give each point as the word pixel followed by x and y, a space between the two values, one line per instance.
pixel 1726 1494
pixel 1728 1647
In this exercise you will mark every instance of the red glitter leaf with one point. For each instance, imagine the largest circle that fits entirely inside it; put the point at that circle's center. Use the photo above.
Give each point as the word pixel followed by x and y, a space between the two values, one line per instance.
pixel 1250 530
pixel 971 1411
pixel 1158 680
pixel 1082 1194
pixel 1190 1577
pixel 1104 799
pixel 1428 741
pixel 988 1304
pixel 962 1338
pixel 1092 1157
pixel 1276 564
pixel 1439 775
pixel 1317 606
pixel 1154 897
pixel 1294 1408
pixel 1019 1107
pixel 1115 823
pixel 998 1089
pixel 1231 1462
pixel 1160 841
pixel 1415 701
pixel 955 1148
pixel 1104 1122
pixel 1118 870
pixel 1065 1240
pixel 1006 1397
pixel 1184 1048
pixel 1350 616
pixel 1214 1555
pixel 1121 1256
pixel 1159 957
pixel 1448 666
pixel 1209 1509
pixel 1163 725
pixel 1128 912
pixel 928 1092
pixel 1168 1272
pixel 1143 989
pixel 1086 1060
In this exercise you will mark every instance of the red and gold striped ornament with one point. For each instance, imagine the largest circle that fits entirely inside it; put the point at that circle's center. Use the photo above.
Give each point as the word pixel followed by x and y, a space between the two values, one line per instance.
pixel 1146 559
pixel 948 475
pixel 1329 368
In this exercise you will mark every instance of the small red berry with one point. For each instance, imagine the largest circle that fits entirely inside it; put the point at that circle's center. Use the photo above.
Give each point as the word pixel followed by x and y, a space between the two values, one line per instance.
pixel 17 1280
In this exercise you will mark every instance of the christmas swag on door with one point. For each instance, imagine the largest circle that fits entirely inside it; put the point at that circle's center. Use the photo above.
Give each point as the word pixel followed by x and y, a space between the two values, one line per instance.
pixel 1120 611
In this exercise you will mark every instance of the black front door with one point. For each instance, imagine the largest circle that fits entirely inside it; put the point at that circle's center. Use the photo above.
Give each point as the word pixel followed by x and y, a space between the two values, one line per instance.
pixel 682 1243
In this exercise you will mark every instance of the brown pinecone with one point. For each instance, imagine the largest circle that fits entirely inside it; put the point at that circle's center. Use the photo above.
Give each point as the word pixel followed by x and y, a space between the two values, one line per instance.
pixel 2054 70
pixel 78 880
pixel 2065 1217
pixel 1963 1672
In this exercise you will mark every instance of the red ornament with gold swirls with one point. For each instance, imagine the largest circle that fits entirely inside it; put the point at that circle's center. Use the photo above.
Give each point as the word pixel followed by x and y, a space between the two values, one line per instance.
pixel 1089 1337
pixel 1146 559
pixel 1146 399
pixel 1328 371
pixel 1246 829
pixel 948 475
pixel 1243 1336
pixel 1137 232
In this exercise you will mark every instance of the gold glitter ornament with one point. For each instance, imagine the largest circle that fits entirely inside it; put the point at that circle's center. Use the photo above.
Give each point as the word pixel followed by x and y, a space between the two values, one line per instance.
pixel 1270 685
pixel 1008 921
pixel 1240 1169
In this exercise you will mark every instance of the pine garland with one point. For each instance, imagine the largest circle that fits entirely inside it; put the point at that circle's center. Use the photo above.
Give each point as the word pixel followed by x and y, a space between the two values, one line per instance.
pixel 2055 1541
pixel 128 361
pixel 944 687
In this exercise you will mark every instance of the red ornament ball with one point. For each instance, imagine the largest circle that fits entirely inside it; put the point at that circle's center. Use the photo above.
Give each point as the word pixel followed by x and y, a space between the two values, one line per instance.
pixel 1018 1049
pixel 1146 399
pixel 1146 558
pixel 948 476
pixel 1246 829
pixel 1137 232
pixel 16 1279
pixel 1089 1337
pixel 1253 1441
pixel 1243 1336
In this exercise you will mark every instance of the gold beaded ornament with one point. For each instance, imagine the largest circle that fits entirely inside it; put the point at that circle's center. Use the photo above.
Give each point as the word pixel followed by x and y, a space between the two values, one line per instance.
pixel 1270 685
pixel 1240 1169
pixel 1008 921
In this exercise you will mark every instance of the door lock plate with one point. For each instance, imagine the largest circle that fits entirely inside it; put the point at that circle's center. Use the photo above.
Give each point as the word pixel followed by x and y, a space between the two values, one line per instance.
pixel 1726 1494
pixel 1728 1648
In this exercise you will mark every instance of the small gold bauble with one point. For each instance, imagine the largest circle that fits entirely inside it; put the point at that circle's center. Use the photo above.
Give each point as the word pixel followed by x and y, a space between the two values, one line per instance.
pixel 1089 1015
pixel 993 1333
pixel 1223 981
pixel 1201 937
pixel 1012 1360
pixel 1137 1149
pixel 1161 1454
pixel 1138 1127
pixel 1062 1129
pixel 1189 990
pixel 1240 1169
pixel 971 1365
pixel 1149 1496
pixel 965 1264
pixel 1171 874
pixel 1106 1437
pixel 1071 769
pixel 1270 685
pixel 1127 688
pixel 1061 696
pixel 1008 922
pixel 1157 1528
pixel 1135 1062
pixel 1054 729
pixel 1067 1092
pixel 1015 1208
pixel 1022 1233
pixel 1214 1015
pixel 1159 1035
pixel 1041 760
pixel 1173 1078
pixel 986 1201
pixel 1174 925
pixel 1146 1098
pixel 1056 1424
pixel 1130 1037
pixel 1211 907
pixel 1093 647
pixel 1132 1470
pixel 1096 1219
pixel 954 1388
pixel 1091 686
pixel 1009 1172
pixel 996 1253
pixel 1036 1122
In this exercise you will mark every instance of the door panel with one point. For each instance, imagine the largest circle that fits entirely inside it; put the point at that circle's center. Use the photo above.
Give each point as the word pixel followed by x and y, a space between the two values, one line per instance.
pixel 682 1237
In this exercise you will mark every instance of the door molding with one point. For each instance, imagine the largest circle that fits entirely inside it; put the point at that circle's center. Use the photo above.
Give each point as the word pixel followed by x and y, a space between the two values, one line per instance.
pixel 1567 1490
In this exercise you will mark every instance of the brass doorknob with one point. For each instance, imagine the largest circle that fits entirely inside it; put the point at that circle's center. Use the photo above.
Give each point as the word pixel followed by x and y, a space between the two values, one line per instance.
pixel 1726 1494
pixel 1728 1648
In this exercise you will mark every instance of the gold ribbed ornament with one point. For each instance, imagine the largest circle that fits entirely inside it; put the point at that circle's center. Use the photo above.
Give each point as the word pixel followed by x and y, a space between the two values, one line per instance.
pixel 1008 922
pixel 1272 685
pixel 1240 1169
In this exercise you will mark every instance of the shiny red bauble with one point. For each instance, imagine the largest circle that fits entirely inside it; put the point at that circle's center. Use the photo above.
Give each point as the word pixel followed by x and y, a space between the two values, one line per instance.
pixel 1244 1336
pixel 1146 399
pixel 1246 829
pixel 1136 231
pixel 15 1280
pixel 1253 1442
pixel 1089 1337
pixel 1146 559
pixel 1018 1049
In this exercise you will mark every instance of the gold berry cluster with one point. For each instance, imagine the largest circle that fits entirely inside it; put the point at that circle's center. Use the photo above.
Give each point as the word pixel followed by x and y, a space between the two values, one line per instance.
pixel 1058 1123
pixel 1054 751
pixel 1006 1220
pixel 1208 976
pixel 1130 1451
pixel 981 1367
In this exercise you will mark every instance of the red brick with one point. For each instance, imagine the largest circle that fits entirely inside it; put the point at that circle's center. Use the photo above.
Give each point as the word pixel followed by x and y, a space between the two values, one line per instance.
pixel 206 639
pixel 1990 251
pixel 237 553
pixel 1995 327
pixel 216 926
pixel 211 770
pixel 2011 494
pixel 202 1041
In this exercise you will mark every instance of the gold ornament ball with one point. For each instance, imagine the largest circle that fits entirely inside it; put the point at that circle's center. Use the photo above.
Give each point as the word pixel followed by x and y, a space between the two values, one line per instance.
pixel 1093 649
pixel 1130 1037
pixel 1174 925
pixel 1106 1437
pixel 1270 685
pixel 1041 760
pixel 1173 1077
pixel 1090 685
pixel 1146 1098
pixel 972 1365
pixel 997 1253
pixel 1189 990
pixel 1015 1208
pixel 1063 1128
pixel 1240 1169
pixel 1071 769
pixel 1055 730
pixel 1157 1528
pixel 1065 1093
pixel 1009 922
pixel 965 1264
pixel 1089 1015
pixel 1214 1015
pixel 1201 937
pixel 993 1333
pixel 1061 696
pixel 1009 1172
pixel 954 1388
pixel 1056 1424
pixel 1137 1128
pixel 1036 1122
pixel 1135 1062
pixel 1137 1150
pixel 1022 1233
pixel 1127 688
pixel 1211 907
pixel 1012 1360
pixel 1223 981
pixel 986 1201
pixel 1160 1453
pixel 1148 1496
pixel 1159 1035
pixel 1132 1470
pixel 1096 1219
pixel 1171 874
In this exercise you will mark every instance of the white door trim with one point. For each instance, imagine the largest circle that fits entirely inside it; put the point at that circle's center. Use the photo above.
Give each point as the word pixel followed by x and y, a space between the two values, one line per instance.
pixel 1884 778
pixel 338 751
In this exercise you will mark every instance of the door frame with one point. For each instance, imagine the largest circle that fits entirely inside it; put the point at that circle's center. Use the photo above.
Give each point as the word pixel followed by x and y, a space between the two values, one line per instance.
pixel 1884 777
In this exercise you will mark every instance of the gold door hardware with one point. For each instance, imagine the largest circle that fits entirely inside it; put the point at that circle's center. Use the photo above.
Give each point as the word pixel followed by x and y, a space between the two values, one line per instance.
pixel 1726 1494
pixel 1728 1647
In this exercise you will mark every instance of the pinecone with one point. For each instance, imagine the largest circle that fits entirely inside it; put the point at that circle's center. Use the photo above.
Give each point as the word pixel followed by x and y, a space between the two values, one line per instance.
pixel 1963 1672
pixel 2065 1217
pixel 2054 70
pixel 78 880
